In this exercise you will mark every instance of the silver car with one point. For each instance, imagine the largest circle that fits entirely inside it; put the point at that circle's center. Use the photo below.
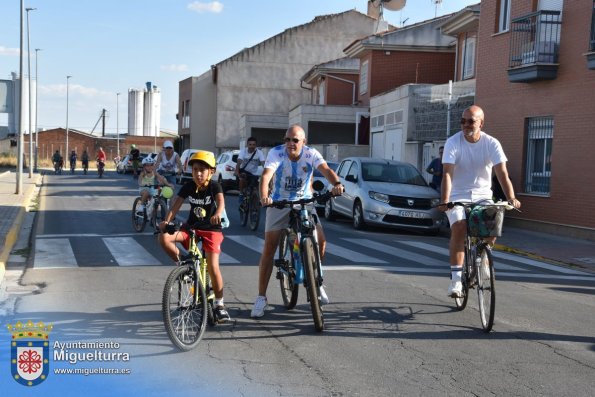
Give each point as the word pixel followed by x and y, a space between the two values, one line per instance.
pixel 385 193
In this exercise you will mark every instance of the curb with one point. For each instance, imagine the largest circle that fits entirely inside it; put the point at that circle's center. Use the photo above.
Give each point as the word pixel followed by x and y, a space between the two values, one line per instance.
pixel 13 233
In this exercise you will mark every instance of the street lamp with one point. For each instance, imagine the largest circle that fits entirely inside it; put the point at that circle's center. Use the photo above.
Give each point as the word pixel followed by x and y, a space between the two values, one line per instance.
pixel 36 120
pixel 30 99
pixel 19 173
pixel 118 124
pixel 67 88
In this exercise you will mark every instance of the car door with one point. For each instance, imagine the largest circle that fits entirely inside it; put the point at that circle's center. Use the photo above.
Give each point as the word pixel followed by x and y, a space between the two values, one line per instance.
pixel 351 187
pixel 339 202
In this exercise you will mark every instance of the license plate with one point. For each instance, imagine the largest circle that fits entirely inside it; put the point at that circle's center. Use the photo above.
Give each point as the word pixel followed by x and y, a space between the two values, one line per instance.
pixel 412 214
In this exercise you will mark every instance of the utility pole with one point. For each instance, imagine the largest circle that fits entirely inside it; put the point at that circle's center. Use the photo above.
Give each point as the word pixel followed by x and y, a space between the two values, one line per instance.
pixel 30 98
pixel 20 141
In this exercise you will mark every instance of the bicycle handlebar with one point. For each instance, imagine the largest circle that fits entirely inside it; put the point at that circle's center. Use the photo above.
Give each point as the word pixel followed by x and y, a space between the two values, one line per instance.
pixel 321 198
pixel 505 204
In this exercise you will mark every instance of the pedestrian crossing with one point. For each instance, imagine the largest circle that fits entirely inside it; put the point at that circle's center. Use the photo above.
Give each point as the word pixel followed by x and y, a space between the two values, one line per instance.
pixel 397 255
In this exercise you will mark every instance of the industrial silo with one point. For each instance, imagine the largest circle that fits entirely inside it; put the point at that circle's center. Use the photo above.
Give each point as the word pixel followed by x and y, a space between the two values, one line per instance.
pixel 135 112
pixel 152 109
pixel 13 117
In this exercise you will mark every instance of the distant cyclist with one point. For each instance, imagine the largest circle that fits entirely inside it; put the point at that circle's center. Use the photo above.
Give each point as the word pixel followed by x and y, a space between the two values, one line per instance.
pixel 85 161
pixel 135 157
pixel 57 160
pixel 73 158
pixel 168 163
pixel 291 167
pixel 248 161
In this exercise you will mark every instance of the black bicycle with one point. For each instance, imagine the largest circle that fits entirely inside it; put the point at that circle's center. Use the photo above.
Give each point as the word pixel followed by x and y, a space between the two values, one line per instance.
pixel 299 256
pixel 484 220
pixel 250 205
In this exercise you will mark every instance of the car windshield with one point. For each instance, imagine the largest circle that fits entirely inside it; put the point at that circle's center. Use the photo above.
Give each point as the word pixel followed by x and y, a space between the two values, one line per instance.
pixel 332 166
pixel 393 173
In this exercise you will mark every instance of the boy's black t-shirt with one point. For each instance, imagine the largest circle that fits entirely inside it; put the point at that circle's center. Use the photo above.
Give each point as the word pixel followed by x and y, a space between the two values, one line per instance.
pixel 204 199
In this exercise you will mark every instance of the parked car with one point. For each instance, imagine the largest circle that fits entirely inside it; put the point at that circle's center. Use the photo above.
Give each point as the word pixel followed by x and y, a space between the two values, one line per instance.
pixel 186 169
pixel 385 193
pixel 125 166
pixel 225 172
pixel 319 177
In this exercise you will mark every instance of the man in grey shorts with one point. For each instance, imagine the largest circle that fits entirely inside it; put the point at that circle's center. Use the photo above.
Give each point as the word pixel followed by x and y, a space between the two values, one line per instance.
pixel 291 168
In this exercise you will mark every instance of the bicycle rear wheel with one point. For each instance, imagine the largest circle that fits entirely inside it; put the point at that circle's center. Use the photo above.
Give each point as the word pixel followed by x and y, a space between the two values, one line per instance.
pixel 286 272
pixel 139 217
pixel 461 302
pixel 184 308
pixel 254 210
pixel 311 269
pixel 486 291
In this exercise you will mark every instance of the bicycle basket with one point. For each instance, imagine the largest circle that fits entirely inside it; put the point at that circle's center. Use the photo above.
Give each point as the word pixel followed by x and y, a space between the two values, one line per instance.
pixel 485 221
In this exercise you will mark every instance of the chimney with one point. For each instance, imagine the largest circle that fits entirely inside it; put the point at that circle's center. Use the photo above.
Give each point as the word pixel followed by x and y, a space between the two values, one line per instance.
pixel 373 11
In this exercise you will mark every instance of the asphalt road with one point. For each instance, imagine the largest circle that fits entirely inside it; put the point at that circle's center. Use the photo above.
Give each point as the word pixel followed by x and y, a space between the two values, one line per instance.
pixel 390 329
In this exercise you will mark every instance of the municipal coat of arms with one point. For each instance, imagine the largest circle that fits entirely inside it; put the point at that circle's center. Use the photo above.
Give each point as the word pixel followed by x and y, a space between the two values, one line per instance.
pixel 29 353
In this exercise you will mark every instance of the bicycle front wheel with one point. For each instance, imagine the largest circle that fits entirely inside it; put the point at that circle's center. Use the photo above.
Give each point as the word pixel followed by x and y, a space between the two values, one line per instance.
pixel 184 308
pixel 486 291
pixel 159 212
pixel 312 272
pixel 244 207
pixel 461 302
pixel 139 216
pixel 254 210
pixel 286 272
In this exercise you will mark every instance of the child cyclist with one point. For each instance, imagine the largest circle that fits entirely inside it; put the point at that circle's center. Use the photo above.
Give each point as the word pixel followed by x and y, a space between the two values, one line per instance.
pixel 206 207
pixel 148 178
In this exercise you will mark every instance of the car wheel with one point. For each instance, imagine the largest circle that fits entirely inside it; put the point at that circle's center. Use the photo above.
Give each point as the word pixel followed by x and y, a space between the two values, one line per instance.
pixel 358 216
pixel 329 214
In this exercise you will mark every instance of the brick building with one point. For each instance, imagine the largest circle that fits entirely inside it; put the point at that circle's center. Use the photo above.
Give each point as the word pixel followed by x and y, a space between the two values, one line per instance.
pixel 51 140
pixel 536 84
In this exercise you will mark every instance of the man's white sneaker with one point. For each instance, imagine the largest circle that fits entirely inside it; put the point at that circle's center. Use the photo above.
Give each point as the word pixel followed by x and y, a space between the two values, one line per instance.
pixel 323 296
pixel 259 305
pixel 455 290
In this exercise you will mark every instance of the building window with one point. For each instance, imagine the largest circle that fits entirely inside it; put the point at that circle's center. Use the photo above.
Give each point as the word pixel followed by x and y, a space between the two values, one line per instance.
pixel 469 58
pixel 504 16
pixel 540 134
pixel 186 114
pixel 363 78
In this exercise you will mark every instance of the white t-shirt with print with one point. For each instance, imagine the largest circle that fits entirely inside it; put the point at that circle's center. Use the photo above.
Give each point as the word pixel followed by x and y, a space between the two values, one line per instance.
pixel 472 176
pixel 252 165
pixel 292 180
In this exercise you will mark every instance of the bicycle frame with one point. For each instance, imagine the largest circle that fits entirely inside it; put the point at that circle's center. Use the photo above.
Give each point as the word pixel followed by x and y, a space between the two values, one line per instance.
pixel 197 256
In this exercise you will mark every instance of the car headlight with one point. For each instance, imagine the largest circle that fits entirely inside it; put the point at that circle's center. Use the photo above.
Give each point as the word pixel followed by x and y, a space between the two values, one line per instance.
pixel 434 202
pixel 379 197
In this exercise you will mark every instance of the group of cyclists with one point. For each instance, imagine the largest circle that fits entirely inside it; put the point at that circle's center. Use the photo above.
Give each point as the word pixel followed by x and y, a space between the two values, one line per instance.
pixel 58 160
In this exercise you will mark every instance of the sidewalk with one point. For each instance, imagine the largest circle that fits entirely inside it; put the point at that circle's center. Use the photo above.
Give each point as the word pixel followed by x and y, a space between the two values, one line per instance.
pixel 12 211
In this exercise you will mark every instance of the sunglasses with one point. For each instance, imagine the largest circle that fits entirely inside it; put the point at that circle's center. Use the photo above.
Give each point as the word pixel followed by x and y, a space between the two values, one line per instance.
pixel 168 148
pixel 470 121
pixel 294 140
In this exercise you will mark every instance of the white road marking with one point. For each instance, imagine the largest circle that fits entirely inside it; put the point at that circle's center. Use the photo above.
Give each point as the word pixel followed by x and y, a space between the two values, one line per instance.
pixel 54 253
pixel 128 252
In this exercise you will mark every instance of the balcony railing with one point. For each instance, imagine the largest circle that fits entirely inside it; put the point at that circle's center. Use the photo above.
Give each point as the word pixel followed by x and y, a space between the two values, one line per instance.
pixel 534 46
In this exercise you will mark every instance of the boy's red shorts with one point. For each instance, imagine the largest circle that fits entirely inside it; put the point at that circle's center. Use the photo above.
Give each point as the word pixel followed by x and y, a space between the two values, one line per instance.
pixel 211 241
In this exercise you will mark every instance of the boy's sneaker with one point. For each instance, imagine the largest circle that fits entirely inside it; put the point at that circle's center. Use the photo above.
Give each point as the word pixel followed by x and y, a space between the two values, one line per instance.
pixel 323 296
pixel 259 305
pixel 455 290
pixel 221 314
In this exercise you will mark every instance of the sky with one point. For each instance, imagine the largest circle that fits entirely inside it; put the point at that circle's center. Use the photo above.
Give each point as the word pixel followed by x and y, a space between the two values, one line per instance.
pixel 110 46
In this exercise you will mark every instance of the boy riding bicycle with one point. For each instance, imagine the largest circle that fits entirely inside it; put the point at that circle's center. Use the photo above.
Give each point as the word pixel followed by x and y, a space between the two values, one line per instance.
pixel 206 208
pixel 148 178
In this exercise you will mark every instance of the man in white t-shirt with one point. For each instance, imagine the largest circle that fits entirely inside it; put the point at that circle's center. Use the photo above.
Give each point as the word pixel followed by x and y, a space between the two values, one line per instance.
pixel 249 159
pixel 468 159
pixel 291 167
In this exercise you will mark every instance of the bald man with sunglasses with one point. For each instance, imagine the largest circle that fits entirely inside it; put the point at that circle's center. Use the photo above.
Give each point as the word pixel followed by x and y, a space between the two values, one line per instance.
pixel 467 163
pixel 290 167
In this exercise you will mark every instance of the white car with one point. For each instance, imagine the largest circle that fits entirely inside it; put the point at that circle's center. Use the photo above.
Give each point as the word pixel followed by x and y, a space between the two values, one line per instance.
pixel 225 172
pixel 186 169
